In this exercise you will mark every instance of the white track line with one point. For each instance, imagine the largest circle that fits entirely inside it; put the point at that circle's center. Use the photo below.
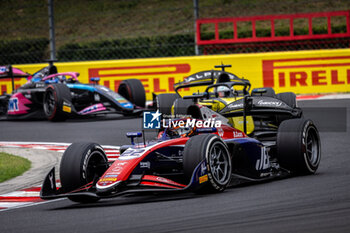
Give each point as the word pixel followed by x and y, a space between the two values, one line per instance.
pixel 21 194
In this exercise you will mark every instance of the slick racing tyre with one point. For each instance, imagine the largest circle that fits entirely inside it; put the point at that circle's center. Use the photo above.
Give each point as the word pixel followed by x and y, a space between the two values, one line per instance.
pixel 181 106
pixel 213 150
pixel 133 90
pixel 289 98
pixel 81 164
pixel 57 102
pixel 165 102
pixel 4 100
pixel 298 146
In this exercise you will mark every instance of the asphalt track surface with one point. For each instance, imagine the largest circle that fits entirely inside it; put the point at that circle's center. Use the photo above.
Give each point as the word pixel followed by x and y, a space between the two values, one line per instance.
pixel 316 203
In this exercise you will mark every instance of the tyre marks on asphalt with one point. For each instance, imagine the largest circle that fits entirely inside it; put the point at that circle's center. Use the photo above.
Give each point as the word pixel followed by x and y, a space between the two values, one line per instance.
pixel 31 196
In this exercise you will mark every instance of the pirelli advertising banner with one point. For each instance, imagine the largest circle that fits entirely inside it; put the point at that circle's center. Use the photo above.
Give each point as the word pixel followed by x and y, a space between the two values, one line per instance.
pixel 302 72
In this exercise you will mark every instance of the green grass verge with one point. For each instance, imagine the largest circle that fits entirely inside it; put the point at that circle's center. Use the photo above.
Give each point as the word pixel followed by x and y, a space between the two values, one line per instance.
pixel 12 166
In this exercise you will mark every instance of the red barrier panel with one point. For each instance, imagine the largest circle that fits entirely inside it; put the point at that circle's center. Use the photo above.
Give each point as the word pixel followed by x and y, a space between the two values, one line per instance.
pixel 273 36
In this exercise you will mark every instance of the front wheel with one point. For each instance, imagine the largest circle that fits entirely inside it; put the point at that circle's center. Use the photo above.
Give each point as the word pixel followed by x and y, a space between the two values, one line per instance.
pixel 165 102
pixel 213 150
pixel 81 164
pixel 133 90
pixel 57 102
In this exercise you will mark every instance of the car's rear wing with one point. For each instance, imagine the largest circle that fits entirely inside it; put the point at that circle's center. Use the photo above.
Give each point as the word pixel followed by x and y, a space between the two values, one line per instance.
pixel 12 73
pixel 202 78
pixel 259 106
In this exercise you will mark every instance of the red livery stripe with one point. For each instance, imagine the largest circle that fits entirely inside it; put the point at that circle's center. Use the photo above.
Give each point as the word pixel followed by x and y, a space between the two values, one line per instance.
pixel 148 183
pixel 34 189
pixel 162 180
pixel 20 199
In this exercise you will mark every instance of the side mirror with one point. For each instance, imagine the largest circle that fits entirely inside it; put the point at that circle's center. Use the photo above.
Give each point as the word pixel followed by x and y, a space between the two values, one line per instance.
pixel 259 91
pixel 95 80
pixel 196 97
pixel 133 135
pixel 206 130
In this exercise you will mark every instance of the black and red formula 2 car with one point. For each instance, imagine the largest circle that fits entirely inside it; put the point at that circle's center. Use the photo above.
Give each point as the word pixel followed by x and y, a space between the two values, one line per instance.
pixel 58 96
pixel 199 155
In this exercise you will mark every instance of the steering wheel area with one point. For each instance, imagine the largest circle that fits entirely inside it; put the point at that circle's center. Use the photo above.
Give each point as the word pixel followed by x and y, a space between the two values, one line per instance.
pixel 223 90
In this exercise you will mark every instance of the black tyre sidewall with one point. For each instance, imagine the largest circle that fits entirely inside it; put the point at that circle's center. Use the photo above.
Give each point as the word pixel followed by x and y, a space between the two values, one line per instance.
pixel 61 93
pixel 181 106
pixel 217 186
pixel 291 146
pixel 165 102
pixel 312 167
pixel 196 150
pixel 133 90
pixel 73 167
pixel 51 115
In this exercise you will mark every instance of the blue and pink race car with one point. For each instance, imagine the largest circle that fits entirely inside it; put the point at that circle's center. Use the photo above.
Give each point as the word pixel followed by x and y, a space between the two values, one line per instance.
pixel 58 96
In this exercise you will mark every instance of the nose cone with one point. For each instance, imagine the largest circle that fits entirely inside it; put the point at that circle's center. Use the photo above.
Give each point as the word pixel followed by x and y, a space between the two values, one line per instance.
pixel 104 185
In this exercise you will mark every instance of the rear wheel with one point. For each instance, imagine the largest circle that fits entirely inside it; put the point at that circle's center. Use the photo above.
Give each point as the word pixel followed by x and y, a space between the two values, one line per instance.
pixel 165 102
pixel 133 90
pixel 181 106
pixel 57 102
pixel 298 146
pixel 80 165
pixel 213 150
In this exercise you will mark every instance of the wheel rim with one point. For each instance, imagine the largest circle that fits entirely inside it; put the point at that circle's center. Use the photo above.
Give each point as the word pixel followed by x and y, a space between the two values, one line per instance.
pixel 219 163
pixel 49 103
pixel 312 146
pixel 96 166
